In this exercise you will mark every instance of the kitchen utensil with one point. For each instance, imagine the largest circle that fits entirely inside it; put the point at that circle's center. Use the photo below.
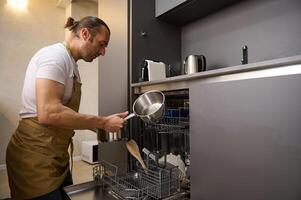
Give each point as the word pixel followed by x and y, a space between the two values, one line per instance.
pixel 176 161
pixel 155 157
pixel 194 63
pixel 134 150
pixel 149 106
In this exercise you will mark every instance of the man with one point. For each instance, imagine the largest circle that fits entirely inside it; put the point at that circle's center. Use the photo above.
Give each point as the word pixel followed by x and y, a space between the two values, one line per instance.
pixel 37 155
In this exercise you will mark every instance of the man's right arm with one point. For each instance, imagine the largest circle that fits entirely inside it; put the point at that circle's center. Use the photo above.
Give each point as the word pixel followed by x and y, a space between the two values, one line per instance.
pixel 51 111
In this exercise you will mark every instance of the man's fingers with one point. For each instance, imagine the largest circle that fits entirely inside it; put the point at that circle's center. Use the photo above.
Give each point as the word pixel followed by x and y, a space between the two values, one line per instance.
pixel 123 114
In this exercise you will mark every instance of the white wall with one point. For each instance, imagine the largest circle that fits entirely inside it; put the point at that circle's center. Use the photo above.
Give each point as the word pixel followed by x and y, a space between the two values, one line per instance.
pixel 22 34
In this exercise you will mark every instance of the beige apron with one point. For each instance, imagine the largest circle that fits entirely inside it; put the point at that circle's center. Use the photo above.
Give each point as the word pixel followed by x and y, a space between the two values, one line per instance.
pixel 37 155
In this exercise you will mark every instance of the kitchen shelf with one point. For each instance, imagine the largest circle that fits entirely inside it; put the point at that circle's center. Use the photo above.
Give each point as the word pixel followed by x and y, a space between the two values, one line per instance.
pixel 192 10
pixel 183 82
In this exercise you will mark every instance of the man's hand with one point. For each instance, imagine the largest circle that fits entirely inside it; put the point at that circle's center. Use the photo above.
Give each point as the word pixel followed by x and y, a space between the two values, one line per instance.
pixel 113 123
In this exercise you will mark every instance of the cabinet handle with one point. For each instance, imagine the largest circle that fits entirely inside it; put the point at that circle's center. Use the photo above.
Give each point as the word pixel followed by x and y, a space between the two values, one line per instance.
pixel 143 33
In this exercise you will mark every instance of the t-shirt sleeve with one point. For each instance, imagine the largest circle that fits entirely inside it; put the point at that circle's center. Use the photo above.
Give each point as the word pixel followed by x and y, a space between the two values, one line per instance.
pixel 52 67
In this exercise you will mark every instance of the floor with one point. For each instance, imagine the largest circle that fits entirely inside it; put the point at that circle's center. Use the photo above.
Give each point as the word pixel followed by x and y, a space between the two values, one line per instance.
pixel 82 172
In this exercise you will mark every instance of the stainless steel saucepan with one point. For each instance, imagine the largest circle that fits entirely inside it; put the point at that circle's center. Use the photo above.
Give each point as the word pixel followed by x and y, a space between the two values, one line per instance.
pixel 149 107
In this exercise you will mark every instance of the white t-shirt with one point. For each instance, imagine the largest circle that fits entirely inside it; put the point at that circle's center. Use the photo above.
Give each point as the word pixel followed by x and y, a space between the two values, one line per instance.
pixel 51 62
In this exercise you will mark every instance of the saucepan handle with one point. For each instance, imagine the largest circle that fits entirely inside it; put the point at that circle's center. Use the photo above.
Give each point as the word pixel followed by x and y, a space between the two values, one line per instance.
pixel 129 116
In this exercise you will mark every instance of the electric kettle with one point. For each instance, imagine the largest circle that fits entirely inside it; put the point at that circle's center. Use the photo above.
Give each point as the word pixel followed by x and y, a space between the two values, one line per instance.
pixel 194 63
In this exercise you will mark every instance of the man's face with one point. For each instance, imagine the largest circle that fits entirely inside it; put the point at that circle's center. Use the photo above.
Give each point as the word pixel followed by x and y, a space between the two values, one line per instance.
pixel 92 47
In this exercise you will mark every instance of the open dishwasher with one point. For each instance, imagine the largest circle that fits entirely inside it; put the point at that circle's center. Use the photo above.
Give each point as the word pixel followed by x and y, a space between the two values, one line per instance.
pixel 165 149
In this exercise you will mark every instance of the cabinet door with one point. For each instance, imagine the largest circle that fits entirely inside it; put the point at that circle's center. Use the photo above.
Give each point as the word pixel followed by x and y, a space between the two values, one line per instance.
pixel 245 139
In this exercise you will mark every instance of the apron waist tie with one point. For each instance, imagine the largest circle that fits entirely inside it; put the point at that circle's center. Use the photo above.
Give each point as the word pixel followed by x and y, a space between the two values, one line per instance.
pixel 71 154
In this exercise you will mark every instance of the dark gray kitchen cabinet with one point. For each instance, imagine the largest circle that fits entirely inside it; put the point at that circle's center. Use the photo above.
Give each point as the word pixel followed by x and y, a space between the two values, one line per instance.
pixel 183 12
pixel 151 38
pixel 245 138
pixel 163 6
pixel 156 27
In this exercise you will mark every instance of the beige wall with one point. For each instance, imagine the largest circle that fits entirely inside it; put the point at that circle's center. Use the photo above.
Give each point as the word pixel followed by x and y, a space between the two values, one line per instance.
pixel 113 74
pixel 22 34
pixel 88 73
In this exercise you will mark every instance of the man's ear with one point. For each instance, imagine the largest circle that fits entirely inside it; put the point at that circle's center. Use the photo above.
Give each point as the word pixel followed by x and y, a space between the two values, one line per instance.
pixel 85 33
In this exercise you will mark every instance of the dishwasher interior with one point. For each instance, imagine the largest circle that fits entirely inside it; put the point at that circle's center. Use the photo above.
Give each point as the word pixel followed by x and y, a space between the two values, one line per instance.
pixel 164 147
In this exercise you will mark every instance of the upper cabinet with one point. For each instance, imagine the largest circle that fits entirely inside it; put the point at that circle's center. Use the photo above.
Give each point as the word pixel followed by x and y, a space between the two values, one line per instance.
pixel 181 12
pixel 163 6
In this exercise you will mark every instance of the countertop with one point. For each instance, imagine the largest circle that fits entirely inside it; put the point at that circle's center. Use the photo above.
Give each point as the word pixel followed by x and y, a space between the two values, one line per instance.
pixel 180 82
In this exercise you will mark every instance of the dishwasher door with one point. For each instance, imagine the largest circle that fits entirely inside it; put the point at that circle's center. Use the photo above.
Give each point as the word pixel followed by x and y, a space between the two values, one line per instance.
pixel 91 190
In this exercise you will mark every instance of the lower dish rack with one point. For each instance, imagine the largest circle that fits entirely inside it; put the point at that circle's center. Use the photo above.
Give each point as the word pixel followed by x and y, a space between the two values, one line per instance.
pixel 154 182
